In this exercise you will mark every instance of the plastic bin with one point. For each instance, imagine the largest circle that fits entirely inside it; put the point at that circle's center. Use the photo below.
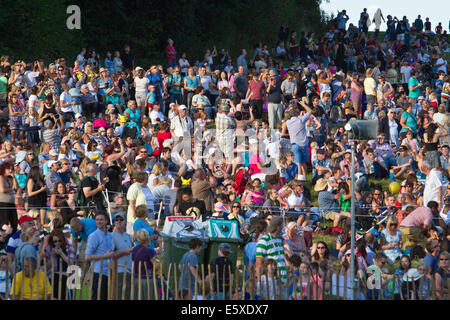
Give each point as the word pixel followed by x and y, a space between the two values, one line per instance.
pixel 176 242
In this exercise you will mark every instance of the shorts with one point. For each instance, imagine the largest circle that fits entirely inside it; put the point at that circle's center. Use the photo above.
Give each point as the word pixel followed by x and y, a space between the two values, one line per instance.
pixel 301 154
pixel 332 215
pixel 140 98
pixel 15 124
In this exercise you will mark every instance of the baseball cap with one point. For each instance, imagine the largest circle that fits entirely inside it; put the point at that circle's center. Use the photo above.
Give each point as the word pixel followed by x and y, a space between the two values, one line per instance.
pixel 182 107
pixel 53 152
pixel 25 218
pixel 402 148
pixel 301 177
pixel 139 68
pixel 274 223
pixel 119 214
pixel 225 247
pixel 167 143
pixel 101 129
pixel 52 162
pixel 78 115
pixel 421 98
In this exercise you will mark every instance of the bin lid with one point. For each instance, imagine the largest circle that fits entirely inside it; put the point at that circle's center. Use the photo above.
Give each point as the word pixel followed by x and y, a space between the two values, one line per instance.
pixel 223 228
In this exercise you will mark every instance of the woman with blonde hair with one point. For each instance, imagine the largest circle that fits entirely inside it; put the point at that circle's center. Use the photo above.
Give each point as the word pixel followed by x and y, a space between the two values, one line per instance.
pixel 391 240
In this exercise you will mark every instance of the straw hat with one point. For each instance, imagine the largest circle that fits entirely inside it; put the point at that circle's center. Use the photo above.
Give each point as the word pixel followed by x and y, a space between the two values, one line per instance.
pixel 320 184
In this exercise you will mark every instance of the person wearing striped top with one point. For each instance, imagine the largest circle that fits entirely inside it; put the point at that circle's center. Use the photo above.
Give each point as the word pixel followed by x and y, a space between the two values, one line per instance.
pixel 270 246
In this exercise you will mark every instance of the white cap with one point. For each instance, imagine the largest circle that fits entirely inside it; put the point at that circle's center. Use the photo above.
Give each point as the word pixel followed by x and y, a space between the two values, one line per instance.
pixel 78 115
pixel 52 162
pixel 110 106
pixel 421 98
pixel 301 177
pixel 139 68
pixel 53 152
pixel 167 143
pixel 182 107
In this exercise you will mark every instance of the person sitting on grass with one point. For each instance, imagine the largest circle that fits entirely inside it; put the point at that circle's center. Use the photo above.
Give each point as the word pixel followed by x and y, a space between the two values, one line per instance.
pixel 328 202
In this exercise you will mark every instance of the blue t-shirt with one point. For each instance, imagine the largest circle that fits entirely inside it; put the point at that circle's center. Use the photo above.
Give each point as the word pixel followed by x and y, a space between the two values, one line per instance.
pixel 140 224
pixel 432 262
pixel 153 80
pixel 102 91
pixel 291 172
pixel 134 116
pixel 89 226
pixel 249 256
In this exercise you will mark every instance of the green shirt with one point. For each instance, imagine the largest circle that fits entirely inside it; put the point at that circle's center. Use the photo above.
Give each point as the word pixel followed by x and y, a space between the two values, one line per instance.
pixel 269 247
pixel 3 84
pixel 412 83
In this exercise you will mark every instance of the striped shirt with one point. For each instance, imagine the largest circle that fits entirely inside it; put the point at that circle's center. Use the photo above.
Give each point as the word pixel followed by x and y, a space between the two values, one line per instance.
pixel 269 247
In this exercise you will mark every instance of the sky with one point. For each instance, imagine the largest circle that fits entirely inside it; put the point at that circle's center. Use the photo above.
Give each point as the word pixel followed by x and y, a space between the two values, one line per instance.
pixel 436 10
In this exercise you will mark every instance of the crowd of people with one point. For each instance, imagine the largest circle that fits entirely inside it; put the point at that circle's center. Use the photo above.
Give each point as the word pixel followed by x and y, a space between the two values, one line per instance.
pixel 96 153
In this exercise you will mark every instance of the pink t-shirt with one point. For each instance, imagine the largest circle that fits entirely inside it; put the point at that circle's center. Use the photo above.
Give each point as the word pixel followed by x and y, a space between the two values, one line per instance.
pixel 417 218
pixel 256 87
pixel 169 49
pixel 254 159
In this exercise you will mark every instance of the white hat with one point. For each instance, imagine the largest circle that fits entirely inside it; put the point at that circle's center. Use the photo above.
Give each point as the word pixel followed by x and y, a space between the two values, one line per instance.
pixel 52 162
pixel 421 98
pixel 53 152
pixel 110 106
pixel 167 143
pixel 301 177
pixel 182 107
pixel 139 68
pixel 78 115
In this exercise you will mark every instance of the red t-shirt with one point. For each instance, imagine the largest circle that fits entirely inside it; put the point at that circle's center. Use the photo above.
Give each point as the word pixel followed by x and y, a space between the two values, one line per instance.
pixel 256 87
pixel 161 136
pixel 169 49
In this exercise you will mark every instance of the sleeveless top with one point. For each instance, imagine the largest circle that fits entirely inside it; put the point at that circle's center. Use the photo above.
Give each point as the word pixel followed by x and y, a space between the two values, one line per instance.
pixel 192 83
pixel 40 198
pixel 431 146
pixel 7 197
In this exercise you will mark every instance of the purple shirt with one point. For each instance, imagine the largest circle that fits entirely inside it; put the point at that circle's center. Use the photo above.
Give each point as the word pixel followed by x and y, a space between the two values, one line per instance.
pixel 143 254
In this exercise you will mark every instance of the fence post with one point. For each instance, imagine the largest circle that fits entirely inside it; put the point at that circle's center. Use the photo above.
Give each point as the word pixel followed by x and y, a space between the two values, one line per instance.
pixel 91 279
pixel 223 284
pixel 124 281
pixel 345 285
pixel 210 283
pixel 7 279
pixel 231 283
pixel 100 276
pixel 168 281
pixel 140 282
pixel 147 281
pixel 175 280
pixel 155 289
pixel 45 282
pixel 132 281
pixel 114 270
pixel 53 279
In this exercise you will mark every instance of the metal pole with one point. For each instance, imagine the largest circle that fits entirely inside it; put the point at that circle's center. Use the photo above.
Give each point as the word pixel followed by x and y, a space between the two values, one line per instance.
pixel 352 261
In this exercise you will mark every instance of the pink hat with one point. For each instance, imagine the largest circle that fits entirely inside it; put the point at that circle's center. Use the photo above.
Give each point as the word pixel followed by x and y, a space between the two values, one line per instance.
pixel 100 123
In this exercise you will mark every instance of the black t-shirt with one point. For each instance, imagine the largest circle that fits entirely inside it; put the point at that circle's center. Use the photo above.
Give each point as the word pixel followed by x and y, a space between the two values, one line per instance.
pixel 127 60
pixel 91 182
pixel 274 95
pixel 223 267
pixel 195 208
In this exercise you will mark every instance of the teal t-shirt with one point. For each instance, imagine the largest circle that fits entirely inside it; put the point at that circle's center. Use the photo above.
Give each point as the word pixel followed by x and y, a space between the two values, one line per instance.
pixel 412 83
pixel 3 84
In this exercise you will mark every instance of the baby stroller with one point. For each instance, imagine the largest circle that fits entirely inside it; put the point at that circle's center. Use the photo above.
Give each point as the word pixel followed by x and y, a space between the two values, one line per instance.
pixel 241 179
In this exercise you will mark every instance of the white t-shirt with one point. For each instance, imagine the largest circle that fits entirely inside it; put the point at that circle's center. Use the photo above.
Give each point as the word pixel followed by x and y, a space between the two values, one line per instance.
pixel 432 184
pixel 30 78
pixel 66 98
pixel 370 86
pixel 406 73
pixel 33 98
pixel 141 85
pixel 184 64
pixel 156 114
pixel 444 66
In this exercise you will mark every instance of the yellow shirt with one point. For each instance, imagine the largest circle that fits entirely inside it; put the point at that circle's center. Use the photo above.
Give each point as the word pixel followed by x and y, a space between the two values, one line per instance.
pixel 43 281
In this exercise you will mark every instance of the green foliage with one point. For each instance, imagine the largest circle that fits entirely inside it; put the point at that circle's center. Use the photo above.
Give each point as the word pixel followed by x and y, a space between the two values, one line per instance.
pixel 37 29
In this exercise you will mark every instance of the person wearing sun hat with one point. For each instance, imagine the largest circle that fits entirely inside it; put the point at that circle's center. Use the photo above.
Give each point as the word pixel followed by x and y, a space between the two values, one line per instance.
pixel 328 202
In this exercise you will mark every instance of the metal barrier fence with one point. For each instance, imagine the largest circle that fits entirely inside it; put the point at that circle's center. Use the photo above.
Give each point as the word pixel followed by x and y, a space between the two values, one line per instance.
pixel 51 282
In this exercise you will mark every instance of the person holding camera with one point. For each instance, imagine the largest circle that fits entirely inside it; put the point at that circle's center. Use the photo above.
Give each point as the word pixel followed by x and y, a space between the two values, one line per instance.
pixel 91 188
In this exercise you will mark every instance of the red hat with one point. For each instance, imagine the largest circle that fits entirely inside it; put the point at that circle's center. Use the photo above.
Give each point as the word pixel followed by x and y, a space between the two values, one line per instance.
pixel 25 218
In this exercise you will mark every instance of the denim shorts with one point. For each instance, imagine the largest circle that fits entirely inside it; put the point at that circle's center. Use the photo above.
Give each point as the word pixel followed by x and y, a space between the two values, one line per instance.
pixel 301 154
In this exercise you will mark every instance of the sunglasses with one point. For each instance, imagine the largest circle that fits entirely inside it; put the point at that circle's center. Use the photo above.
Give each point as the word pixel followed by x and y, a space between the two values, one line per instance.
pixel 394 224
pixel 235 206
pixel 443 259
pixel 119 220
pixel 377 194
pixel 348 255
pixel 57 241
